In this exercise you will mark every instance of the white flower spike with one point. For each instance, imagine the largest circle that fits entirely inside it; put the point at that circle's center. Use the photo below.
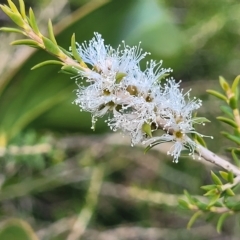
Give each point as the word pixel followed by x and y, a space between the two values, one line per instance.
pixel 136 102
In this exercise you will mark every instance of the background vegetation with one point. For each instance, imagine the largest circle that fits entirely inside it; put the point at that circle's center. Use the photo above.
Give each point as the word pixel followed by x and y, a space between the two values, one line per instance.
pixel 68 182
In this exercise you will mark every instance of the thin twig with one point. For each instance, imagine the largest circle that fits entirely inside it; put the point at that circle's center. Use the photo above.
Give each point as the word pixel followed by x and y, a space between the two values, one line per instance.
pixel 215 159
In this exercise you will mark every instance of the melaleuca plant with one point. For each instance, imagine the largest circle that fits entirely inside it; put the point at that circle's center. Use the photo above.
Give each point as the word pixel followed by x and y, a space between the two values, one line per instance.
pixel 140 103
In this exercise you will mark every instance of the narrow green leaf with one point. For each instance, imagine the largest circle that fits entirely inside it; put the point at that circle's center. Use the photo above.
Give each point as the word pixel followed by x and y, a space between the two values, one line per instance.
pixel 51 47
pixel 235 158
pixel 235 83
pixel 193 219
pixel 217 94
pixel 13 6
pixel 229 204
pixel 183 204
pixel 120 76
pixel 208 187
pixel 189 197
pixel 151 145
pixel 70 70
pixel 22 8
pixel 216 179
pixel 200 120
pixel 218 204
pixel 231 137
pixel 33 22
pixel 17 229
pixel 7 29
pixel 228 121
pixel 65 51
pixel 51 33
pixel 224 84
pixel 230 177
pixel 224 175
pixel 49 62
pixel 235 206
pixel 213 200
pixel 27 42
pixel 200 140
pixel 146 127
pixel 230 192
pixel 227 110
pixel 65 72
pixel 74 50
pixel 235 149
pixel 211 192
pixel 201 205
pixel 163 77
pixel 221 220
pixel 233 104
pixel 15 17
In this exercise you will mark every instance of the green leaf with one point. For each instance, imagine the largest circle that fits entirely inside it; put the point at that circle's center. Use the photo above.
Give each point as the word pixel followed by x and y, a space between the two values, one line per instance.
pixel 216 179
pixel 18 230
pixel 235 84
pixel 13 6
pixel 146 128
pixel 49 62
pixel 74 50
pixel 218 204
pixel 221 220
pixel 27 42
pixel 233 103
pixel 193 219
pixel 70 70
pixel 227 110
pixel 224 84
pixel 217 94
pixel 213 200
pixel 51 33
pixel 120 76
pixel 236 149
pixel 65 51
pixel 189 197
pixel 163 77
pixel 22 9
pixel 230 192
pixel 32 21
pixel 51 46
pixel 183 204
pixel 208 187
pixel 201 205
pixel 151 145
pixel 224 175
pixel 200 140
pixel 228 121
pixel 235 206
pixel 231 137
pixel 212 192
pixel 15 17
pixel 235 158
pixel 7 29
pixel 230 177
pixel 200 120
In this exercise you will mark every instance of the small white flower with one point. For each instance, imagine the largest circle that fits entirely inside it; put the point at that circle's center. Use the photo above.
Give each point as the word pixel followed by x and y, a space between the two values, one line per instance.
pixel 106 60
pixel 180 141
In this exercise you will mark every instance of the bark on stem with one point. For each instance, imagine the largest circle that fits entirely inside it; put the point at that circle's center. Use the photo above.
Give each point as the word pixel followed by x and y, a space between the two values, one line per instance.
pixel 213 158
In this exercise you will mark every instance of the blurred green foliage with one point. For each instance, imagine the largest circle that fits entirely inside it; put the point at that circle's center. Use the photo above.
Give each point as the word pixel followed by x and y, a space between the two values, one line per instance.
pixel 46 184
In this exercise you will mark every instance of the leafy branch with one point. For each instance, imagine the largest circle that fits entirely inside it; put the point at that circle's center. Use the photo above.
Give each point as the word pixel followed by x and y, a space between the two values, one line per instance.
pixel 71 62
